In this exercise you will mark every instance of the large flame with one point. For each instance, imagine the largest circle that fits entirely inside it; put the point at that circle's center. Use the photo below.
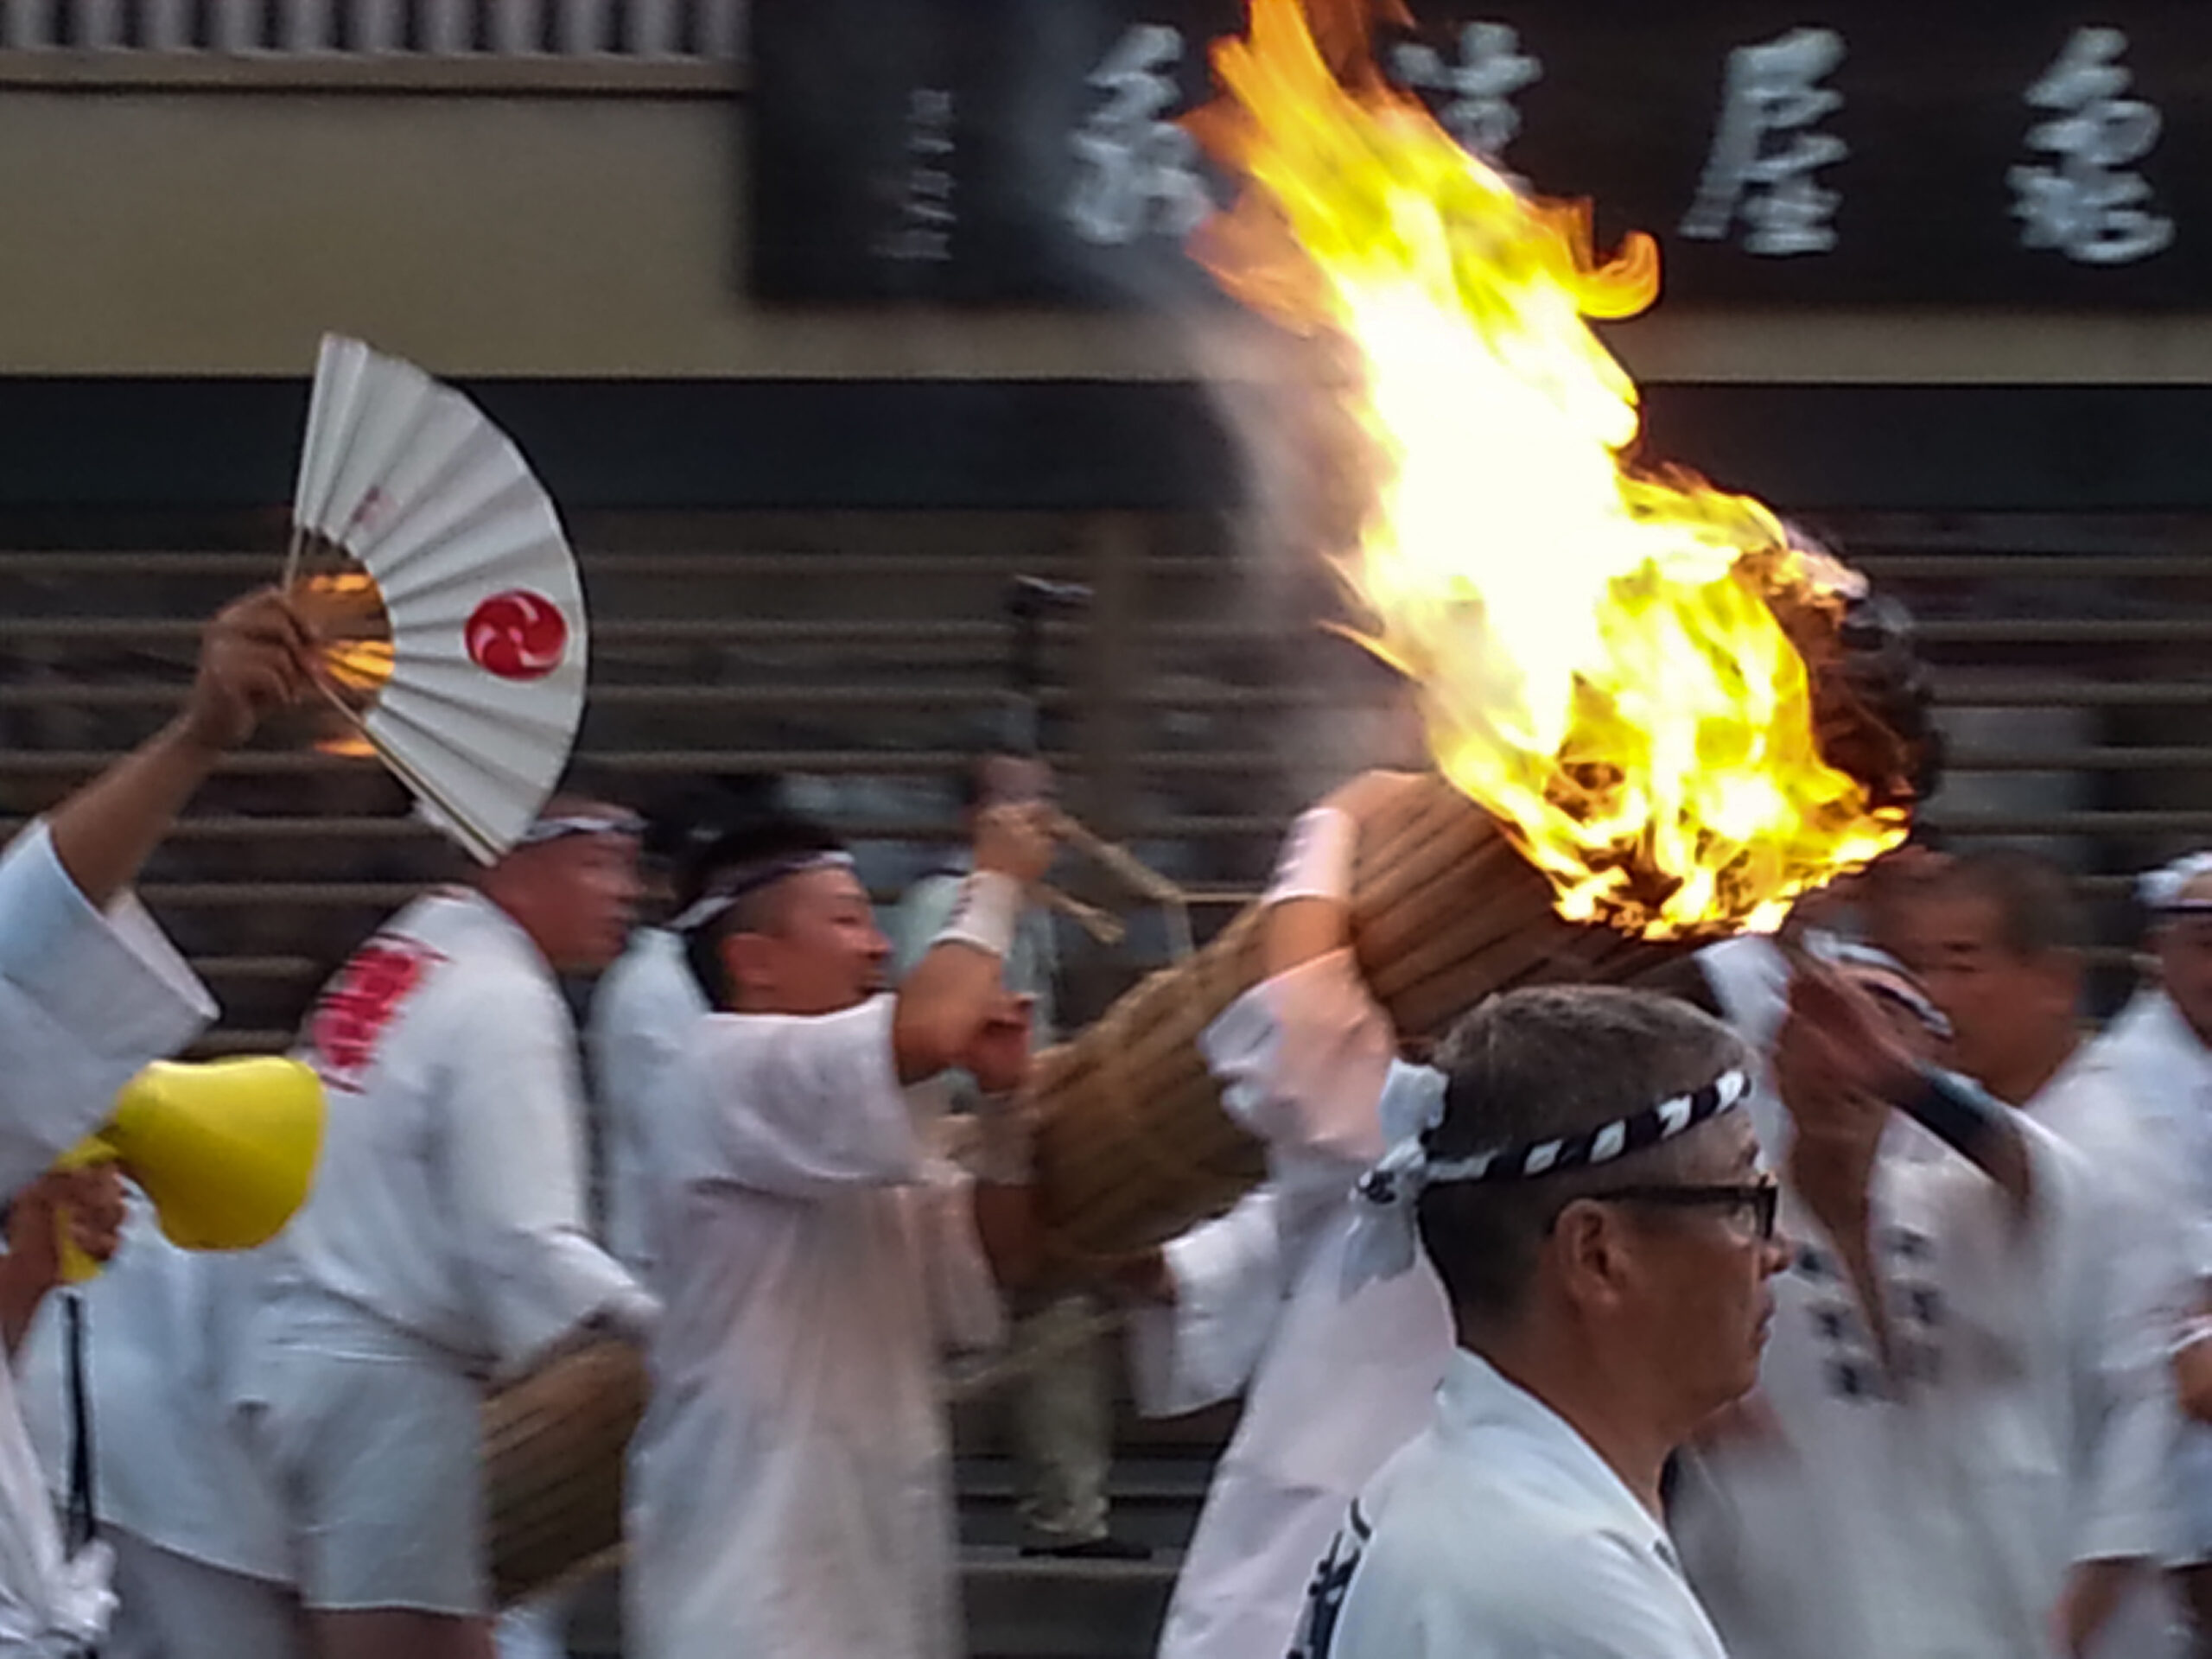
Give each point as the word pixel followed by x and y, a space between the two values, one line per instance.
pixel 1598 666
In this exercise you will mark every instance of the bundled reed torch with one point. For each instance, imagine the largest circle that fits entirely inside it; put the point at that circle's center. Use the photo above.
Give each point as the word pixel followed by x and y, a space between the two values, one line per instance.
pixel 1656 719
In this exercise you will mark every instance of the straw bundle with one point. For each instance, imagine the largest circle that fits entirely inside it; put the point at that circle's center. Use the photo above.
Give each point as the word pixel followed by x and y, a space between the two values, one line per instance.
pixel 553 1460
pixel 1132 1144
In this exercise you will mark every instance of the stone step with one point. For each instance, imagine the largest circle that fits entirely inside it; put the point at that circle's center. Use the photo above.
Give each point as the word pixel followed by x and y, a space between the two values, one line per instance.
pixel 1154 1500
pixel 1017 1608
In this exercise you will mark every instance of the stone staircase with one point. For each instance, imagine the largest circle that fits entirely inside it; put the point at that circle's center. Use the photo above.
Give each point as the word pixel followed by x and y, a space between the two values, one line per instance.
pixel 1020 1607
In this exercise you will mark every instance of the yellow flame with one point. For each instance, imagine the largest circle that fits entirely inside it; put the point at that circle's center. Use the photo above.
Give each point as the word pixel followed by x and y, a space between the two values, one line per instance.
pixel 357 654
pixel 1596 663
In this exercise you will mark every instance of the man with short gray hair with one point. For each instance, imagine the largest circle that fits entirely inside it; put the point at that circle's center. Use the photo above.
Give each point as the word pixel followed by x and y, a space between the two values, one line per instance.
pixel 1588 1192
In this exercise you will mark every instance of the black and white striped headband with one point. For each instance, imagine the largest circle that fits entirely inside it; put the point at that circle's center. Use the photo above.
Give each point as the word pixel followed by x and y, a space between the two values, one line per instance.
pixel 1399 1177
pixel 747 879
pixel 1383 1242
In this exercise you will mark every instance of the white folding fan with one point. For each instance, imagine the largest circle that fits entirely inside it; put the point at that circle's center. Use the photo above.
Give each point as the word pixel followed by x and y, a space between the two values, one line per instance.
pixel 407 478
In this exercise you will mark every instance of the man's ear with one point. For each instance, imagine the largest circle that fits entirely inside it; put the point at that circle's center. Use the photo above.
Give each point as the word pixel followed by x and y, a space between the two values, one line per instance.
pixel 747 963
pixel 1588 1253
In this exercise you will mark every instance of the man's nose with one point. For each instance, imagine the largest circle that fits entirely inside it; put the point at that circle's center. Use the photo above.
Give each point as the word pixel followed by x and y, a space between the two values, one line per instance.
pixel 1779 1251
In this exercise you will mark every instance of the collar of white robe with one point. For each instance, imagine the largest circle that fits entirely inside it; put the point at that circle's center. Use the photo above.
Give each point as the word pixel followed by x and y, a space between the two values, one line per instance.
pixel 2160 890
pixel 1384 1238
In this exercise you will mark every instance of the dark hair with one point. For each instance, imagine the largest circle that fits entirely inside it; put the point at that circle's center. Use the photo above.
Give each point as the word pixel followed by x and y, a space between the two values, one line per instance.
pixel 727 862
pixel 974 784
pixel 1536 1064
pixel 2037 910
pixel 683 819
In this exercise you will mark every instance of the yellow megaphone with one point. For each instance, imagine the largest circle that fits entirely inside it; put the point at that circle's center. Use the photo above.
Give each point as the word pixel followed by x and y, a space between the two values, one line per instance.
pixel 225 1151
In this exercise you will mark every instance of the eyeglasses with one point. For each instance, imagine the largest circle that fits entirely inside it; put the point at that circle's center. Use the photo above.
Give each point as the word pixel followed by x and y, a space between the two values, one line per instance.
pixel 1755 1200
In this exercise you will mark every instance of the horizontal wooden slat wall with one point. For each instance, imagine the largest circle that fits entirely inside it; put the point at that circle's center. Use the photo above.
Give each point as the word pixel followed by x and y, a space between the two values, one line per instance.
pixel 1191 709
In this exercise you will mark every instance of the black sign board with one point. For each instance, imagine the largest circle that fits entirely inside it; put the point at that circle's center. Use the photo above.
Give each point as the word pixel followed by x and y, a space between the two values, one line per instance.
pixel 1881 151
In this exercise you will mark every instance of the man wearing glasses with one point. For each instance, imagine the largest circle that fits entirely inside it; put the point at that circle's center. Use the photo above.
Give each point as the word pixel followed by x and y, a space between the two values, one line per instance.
pixel 1587 1188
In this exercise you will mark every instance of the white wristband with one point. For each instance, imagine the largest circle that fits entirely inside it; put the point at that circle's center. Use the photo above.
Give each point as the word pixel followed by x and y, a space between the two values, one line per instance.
pixel 985 914
pixel 1317 856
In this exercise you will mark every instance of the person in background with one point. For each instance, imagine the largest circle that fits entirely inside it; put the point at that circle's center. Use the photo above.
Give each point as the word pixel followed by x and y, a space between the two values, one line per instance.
pixel 789 1489
pixel 90 992
pixel 1062 1402
pixel 643 1005
pixel 1996 939
pixel 203 1563
pixel 2160 1045
pixel 1901 1481
pixel 445 1244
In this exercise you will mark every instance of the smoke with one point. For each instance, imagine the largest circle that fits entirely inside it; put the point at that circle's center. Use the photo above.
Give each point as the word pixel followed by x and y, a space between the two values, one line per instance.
pixel 1306 486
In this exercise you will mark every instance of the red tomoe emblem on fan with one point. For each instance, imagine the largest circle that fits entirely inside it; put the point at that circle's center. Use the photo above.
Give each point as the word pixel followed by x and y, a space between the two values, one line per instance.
pixel 517 635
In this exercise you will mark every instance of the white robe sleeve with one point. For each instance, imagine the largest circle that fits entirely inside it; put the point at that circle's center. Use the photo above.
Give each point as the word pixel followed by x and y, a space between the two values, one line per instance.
pixel 1302 1058
pixel 2079 1287
pixel 802 1106
pixel 86 1001
pixel 1231 1282
pixel 2143 1289
pixel 640 1016
pixel 965 1309
pixel 513 1145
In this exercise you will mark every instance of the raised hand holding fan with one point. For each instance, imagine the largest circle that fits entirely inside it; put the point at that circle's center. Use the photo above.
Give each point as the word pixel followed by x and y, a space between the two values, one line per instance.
pixel 458 639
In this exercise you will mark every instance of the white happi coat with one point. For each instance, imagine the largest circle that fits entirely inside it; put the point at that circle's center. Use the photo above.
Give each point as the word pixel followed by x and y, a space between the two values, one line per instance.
pixel 1749 977
pixel 87 1001
pixel 640 1012
pixel 2132 1429
pixel 448 1202
pixel 1499 1532
pixel 170 1466
pixel 1337 1381
pixel 1933 1512
pixel 790 1487
pixel 2165 1070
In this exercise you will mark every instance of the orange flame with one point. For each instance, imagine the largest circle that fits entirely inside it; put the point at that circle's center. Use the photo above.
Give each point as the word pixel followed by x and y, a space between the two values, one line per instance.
pixel 1596 663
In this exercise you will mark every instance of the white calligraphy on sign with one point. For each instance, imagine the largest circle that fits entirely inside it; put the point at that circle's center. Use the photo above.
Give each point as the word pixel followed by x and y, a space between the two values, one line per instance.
pixel 1140 169
pixel 925 211
pixel 1765 152
pixel 1491 69
pixel 2087 204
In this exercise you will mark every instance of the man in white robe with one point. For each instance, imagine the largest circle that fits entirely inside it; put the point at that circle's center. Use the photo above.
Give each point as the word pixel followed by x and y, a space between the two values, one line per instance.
pixel 2158 1047
pixel 445 1245
pixel 1587 1188
pixel 1335 1377
pixel 1059 1405
pixel 1996 939
pixel 789 1490
pixel 90 992
pixel 203 1562
pixel 1903 1480
pixel 640 1010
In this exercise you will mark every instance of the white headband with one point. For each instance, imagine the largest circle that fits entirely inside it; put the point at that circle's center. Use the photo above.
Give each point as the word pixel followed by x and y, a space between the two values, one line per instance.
pixel 710 906
pixel 1384 1237
pixel 2161 889
pixel 562 825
